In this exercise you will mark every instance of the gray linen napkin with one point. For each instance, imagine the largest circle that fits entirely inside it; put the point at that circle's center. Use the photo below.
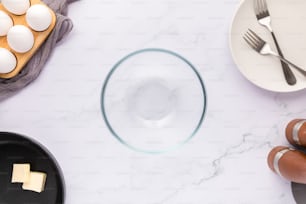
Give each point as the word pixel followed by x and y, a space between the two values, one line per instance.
pixel 31 71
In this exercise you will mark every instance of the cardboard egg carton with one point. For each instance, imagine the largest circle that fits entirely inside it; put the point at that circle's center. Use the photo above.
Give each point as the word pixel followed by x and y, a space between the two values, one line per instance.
pixel 39 39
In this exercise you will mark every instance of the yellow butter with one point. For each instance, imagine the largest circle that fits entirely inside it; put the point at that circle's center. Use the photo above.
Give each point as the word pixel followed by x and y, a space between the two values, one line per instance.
pixel 36 182
pixel 21 173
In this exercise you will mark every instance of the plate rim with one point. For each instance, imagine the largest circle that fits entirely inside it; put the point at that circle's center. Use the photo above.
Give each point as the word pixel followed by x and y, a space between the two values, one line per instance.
pixel 235 57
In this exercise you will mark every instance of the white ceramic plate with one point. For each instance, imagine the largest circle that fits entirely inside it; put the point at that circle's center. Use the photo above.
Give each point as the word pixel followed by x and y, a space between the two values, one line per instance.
pixel 289 24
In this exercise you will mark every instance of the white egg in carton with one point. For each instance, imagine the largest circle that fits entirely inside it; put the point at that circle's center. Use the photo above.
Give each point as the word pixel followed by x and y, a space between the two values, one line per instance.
pixel 24 26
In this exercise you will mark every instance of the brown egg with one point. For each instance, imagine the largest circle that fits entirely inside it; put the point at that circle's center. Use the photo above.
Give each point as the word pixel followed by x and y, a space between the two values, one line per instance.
pixel 296 132
pixel 288 163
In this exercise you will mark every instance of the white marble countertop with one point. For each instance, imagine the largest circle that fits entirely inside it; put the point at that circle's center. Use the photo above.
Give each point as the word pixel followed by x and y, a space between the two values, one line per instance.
pixel 224 163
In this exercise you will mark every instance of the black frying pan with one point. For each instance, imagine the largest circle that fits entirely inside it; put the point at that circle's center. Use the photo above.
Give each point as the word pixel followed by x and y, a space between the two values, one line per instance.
pixel 15 148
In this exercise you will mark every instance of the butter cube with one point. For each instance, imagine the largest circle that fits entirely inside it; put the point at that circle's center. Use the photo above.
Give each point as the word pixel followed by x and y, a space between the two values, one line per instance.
pixel 36 182
pixel 21 173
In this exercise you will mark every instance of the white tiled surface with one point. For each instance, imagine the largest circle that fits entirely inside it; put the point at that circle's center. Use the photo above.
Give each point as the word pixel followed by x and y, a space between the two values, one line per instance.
pixel 224 163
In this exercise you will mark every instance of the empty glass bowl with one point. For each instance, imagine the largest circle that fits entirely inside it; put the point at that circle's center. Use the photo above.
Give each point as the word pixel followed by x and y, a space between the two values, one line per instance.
pixel 153 100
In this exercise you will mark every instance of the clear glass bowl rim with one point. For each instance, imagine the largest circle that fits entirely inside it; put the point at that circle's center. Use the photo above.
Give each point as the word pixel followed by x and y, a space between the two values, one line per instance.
pixel 112 71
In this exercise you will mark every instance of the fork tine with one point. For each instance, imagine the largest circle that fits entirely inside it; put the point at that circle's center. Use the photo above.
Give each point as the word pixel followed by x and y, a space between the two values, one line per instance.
pixel 257 38
pixel 251 39
pixel 249 42
pixel 264 4
pixel 259 6
pixel 256 7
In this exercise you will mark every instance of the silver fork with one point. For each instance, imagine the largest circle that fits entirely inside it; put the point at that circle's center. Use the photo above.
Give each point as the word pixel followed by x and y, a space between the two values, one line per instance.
pixel 263 48
pixel 264 19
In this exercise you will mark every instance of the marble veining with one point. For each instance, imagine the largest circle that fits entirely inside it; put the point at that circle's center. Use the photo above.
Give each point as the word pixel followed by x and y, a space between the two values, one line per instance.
pixel 224 163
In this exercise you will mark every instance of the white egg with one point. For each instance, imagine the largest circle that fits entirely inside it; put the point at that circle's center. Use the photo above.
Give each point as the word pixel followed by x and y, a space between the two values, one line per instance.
pixel 17 7
pixel 6 23
pixel 8 61
pixel 39 17
pixel 20 38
